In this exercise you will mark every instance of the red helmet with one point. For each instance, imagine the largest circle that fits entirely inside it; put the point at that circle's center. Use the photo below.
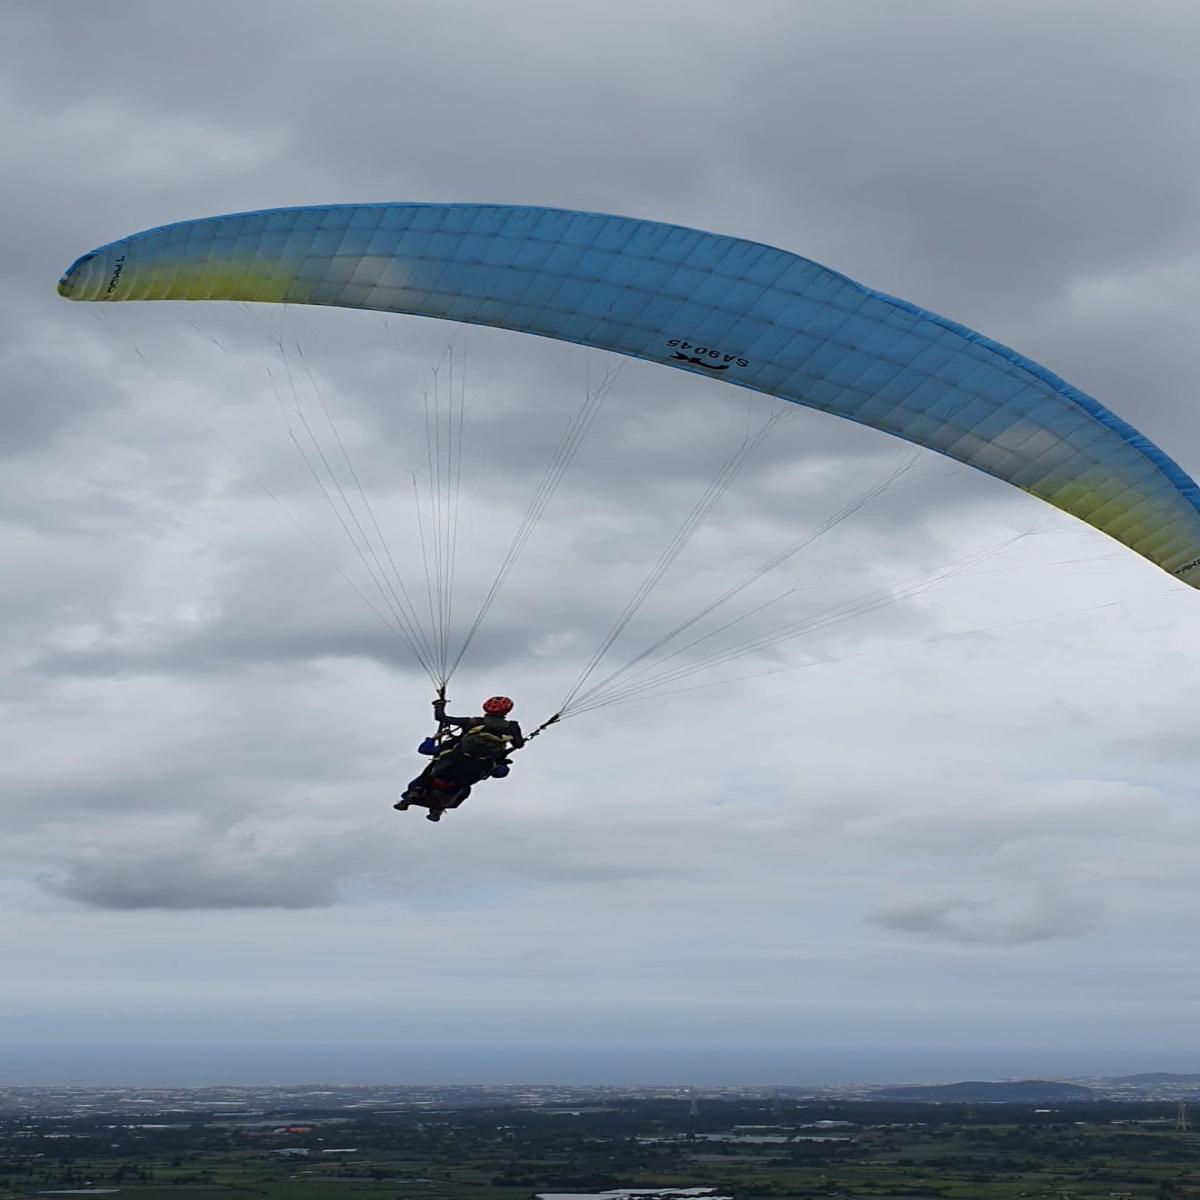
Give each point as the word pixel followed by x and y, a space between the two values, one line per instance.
pixel 498 706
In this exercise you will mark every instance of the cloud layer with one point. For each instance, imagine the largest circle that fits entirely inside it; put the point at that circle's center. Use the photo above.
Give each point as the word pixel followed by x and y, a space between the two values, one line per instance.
pixel 983 803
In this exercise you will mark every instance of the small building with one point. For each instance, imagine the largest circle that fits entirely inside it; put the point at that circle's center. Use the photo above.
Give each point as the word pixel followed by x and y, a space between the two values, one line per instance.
pixel 700 1193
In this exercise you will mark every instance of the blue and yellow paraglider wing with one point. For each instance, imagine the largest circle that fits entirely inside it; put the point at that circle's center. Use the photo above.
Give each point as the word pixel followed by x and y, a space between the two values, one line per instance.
pixel 721 307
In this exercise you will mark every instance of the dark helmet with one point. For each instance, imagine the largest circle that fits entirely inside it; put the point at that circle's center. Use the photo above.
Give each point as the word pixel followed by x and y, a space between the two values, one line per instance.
pixel 498 706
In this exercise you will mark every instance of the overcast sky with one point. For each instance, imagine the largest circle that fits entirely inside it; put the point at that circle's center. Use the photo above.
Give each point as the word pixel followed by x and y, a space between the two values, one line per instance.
pixel 985 841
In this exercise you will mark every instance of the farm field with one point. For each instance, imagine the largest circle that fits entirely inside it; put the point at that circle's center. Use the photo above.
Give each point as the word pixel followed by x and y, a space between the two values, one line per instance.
pixel 502 1152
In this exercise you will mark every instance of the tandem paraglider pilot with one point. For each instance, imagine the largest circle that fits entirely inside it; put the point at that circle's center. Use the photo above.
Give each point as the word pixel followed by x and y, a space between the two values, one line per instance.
pixel 465 751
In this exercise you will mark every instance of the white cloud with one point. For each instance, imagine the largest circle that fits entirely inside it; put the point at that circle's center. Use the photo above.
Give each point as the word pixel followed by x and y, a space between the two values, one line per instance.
pixel 203 727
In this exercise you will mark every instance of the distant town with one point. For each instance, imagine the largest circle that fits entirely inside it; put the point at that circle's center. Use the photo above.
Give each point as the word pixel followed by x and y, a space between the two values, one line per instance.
pixel 246 1102
pixel 1130 1138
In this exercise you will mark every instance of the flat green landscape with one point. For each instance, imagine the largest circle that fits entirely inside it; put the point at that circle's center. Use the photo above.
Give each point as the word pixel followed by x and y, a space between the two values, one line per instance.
pixel 745 1149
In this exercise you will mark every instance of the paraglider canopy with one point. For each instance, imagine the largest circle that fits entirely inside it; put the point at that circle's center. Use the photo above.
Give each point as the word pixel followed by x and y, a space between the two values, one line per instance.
pixel 722 307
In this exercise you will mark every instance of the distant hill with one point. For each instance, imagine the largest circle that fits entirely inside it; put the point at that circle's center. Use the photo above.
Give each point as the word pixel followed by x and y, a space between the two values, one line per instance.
pixel 1023 1091
pixel 1155 1077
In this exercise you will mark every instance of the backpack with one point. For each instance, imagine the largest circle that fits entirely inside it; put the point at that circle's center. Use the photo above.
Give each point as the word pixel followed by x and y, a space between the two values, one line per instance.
pixel 479 743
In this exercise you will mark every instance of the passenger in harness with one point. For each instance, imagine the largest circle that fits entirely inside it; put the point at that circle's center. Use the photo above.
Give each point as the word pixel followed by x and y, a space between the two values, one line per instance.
pixel 478 750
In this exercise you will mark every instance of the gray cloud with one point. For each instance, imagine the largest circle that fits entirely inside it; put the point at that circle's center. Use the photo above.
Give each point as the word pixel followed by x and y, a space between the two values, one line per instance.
pixel 992 921
pixel 220 877
pixel 204 727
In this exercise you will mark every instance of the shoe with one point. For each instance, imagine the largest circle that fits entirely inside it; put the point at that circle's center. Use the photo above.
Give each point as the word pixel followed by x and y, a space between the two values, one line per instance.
pixel 401 805
pixel 434 814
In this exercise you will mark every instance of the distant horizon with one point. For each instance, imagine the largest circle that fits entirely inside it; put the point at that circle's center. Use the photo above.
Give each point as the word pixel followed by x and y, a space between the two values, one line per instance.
pixel 197 1065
